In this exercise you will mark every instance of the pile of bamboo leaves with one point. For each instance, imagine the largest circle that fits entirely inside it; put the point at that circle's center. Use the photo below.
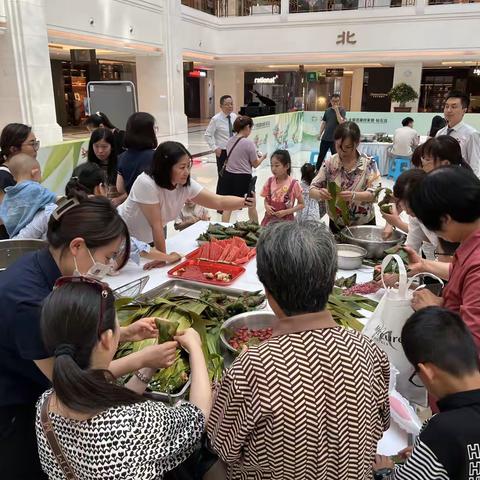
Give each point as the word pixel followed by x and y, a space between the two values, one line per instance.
pixel 346 309
pixel 249 231
pixel 205 314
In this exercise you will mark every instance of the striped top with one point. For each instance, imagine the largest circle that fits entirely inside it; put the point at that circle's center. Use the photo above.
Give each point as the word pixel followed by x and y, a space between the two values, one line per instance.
pixel 308 405
pixel 422 464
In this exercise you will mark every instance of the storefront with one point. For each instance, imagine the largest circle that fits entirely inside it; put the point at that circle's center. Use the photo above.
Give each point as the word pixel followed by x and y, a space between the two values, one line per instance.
pixel 321 85
pixel 436 83
pixel 267 93
pixel 71 74
pixel 295 90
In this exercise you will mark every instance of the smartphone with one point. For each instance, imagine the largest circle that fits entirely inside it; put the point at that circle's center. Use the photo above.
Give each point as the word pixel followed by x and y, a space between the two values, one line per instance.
pixel 251 188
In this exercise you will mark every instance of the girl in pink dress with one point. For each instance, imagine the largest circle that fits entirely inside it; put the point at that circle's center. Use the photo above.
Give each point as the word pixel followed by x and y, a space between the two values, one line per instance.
pixel 281 191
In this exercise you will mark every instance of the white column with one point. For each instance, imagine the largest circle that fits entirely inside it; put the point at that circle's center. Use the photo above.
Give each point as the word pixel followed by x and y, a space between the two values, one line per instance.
pixel 411 74
pixel 229 80
pixel 26 89
pixel 357 90
pixel 160 78
pixel 284 9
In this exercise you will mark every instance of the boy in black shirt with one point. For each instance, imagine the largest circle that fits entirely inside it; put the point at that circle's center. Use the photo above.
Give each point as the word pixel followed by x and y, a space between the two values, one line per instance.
pixel 440 347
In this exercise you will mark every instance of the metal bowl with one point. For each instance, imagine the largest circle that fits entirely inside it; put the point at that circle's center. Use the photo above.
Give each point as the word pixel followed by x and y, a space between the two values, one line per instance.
pixel 350 262
pixel 12 250
pixel 251 320
pixel 369 237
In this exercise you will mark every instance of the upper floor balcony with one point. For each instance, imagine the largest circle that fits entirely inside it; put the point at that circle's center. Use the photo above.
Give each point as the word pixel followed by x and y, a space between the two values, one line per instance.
pixel 229 8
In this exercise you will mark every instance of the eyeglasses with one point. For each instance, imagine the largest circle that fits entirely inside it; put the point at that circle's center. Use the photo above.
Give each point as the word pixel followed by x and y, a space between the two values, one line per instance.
pixel 415 380
pixel 35 144
pixel 101 287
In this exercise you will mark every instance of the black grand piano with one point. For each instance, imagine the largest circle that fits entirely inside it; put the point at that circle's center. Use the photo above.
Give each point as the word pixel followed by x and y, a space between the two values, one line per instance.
pixel 265 106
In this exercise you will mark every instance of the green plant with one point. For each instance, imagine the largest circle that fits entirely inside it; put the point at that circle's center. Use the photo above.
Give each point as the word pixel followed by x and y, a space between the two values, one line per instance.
pixel 402 93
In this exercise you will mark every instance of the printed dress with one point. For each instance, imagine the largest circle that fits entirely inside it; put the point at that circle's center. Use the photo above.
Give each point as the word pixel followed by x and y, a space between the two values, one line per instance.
pixel 360 179
pixel 308 405
pixel 140 441
pixel 281 196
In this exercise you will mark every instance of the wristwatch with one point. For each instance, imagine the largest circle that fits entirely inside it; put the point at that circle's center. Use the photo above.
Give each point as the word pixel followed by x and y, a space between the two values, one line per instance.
pixel 143 378
pixel 382 473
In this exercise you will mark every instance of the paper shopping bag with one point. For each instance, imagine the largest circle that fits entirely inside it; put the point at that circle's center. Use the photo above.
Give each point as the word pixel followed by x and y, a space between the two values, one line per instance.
pixel 385 328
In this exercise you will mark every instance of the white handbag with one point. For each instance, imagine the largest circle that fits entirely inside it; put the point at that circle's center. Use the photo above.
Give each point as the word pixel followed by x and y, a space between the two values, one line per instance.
pixel 385 328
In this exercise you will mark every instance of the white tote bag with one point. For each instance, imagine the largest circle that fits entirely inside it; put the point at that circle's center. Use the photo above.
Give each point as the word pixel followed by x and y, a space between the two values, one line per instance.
pixel 385 328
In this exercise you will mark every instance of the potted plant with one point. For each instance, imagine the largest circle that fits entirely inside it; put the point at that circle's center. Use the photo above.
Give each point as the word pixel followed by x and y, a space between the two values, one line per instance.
pixel 402 93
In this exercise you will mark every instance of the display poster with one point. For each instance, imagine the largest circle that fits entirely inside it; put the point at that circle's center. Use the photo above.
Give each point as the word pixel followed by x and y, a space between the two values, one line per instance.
pixel 295 131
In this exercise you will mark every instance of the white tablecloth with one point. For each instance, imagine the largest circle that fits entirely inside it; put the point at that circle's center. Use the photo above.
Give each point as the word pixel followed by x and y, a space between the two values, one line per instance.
pixel 184 242
pixel 379 149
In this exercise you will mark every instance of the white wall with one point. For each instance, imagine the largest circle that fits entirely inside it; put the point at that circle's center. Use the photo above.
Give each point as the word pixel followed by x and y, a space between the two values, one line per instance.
pixel 112 19
pixel 229 80
pixel 384 34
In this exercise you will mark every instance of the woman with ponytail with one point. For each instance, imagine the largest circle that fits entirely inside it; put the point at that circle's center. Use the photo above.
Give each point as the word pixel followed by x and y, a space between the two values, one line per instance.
pixel 84 237
pixel 105 430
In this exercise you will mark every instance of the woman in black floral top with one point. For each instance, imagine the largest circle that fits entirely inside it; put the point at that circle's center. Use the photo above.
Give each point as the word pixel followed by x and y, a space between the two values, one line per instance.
pixel 106 431
pixel 354 173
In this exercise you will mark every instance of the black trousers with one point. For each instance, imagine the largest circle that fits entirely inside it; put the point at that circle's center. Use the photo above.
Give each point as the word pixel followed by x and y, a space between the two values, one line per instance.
pixel 325 146
pixel 18 444
pixel 220 162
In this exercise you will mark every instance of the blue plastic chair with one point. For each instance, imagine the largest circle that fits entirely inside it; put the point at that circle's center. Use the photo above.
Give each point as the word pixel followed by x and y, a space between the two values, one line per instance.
pixel 376 159
pixel 397 167
pixel 312 157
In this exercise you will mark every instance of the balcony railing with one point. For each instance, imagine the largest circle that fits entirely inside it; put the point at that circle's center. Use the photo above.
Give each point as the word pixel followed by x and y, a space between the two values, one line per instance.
pixel 448 2
pixel 235 8
pixel 228 8
pixel 306 6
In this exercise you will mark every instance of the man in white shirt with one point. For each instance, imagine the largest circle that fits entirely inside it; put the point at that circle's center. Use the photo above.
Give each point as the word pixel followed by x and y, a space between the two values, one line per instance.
pixel 220 129
pixel 456 105
pixel 405 139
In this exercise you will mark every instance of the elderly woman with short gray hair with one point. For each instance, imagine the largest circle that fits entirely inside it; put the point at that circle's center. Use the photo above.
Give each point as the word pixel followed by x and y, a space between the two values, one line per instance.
pixel 312 401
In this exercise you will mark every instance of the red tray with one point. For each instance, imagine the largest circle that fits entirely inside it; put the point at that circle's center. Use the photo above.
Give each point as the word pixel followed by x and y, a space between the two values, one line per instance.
pixel 194 270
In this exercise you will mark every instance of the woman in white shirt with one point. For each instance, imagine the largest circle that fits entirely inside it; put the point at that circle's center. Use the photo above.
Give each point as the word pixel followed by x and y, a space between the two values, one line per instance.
pixel 157 197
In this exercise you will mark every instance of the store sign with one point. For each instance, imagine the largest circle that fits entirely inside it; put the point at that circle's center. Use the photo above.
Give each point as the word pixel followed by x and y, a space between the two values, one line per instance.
pixel 311 76
pixel 334 72
pixel 197 74
pixel 266 80
pixel 346 38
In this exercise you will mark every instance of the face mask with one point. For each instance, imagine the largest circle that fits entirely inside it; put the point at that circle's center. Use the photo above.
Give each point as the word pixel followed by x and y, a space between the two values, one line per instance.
pixel 97 271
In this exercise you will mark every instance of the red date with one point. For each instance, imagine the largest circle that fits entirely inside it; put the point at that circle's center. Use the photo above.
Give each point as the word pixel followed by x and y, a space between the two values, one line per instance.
pixel 245 336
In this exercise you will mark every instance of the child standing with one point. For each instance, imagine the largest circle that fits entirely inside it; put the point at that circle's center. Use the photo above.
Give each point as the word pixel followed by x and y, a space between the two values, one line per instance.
pixel 281 190
pixel 312 207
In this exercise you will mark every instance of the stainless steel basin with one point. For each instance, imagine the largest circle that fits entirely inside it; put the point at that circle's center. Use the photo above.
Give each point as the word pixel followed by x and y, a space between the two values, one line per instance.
pixel 12 250
pixel 370 238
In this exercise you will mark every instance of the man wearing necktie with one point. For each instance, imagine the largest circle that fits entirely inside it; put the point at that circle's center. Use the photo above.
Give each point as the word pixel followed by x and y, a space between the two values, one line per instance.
pixel 456 105
pixel 220 129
